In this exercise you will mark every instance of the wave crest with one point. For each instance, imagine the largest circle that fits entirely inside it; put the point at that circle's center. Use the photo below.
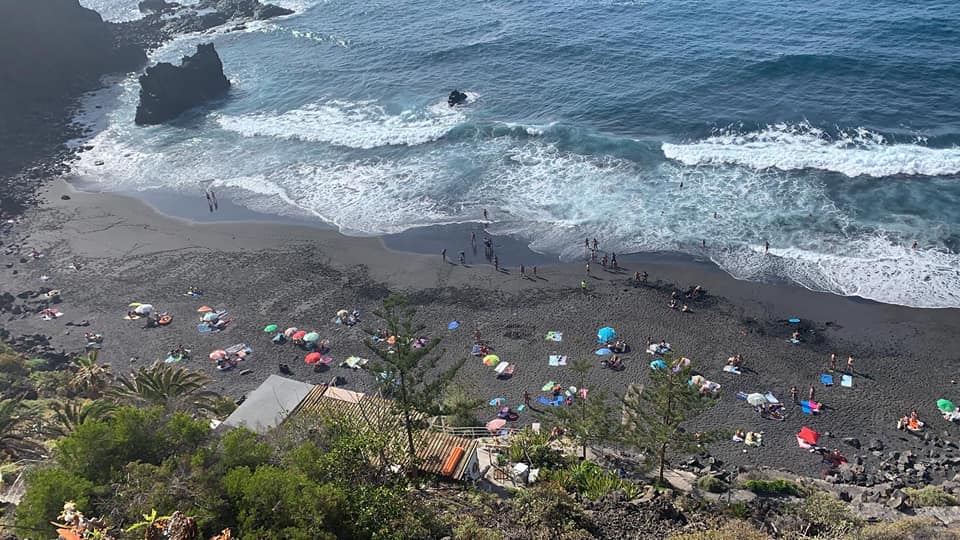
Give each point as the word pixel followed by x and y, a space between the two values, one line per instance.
pixel 786 147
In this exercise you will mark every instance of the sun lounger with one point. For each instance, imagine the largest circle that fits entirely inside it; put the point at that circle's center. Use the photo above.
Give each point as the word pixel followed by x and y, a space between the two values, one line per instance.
pixel 557 360
pixel 826 379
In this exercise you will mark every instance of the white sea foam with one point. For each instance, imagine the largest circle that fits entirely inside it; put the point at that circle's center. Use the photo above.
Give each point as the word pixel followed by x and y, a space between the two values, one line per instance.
pixel 356 125
pixel 793 147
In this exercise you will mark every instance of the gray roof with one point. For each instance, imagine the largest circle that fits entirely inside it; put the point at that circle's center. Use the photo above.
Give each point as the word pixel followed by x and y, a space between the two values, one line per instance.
pixel 270 404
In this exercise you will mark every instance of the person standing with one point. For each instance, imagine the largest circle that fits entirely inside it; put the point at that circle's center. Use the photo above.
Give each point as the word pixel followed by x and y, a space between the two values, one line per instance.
pixel 849 365
pixel 473 240
pixel 522 271
pixel 833 361
pixel 496 263
pixel 463 258
pixel 588 269
pixel 526 398
pixel 794 394
pixel 443 254
pixel 766 247
pixel 534 272
pixel 811 393
pixel 486 217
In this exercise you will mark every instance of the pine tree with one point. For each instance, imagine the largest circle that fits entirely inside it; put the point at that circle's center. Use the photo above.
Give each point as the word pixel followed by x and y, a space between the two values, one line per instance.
pixel 590 419
pixel 653 416
pixel 405 369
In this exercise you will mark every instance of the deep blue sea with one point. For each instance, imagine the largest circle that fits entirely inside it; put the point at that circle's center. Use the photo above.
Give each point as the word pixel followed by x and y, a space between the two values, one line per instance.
pixel 828 129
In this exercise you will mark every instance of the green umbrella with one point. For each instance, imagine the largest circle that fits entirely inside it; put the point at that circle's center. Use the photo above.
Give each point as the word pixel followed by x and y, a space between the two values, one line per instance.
pixel 312 336
pixel 946 406
pixel 270 328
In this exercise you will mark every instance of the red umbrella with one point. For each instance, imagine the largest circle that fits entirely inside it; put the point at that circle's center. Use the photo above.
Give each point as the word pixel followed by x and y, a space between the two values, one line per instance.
pixel 313 358
pixel 218 354
pixel 299 334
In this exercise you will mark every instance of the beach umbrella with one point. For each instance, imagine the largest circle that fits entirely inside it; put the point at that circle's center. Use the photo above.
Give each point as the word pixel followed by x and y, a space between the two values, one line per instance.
pixel 218 354
pixel 311 337
pixel 604 351
pixel 143 309
pixel 496 425
pixel 289 332
pixel 270 328
pixel 210 317
pixel 313 358
pixel 491 360
pixel 658 364
pixel 204 309
pixel 756 399
pixel 134 304
pixel 453 325
pixel 946 406
pixel 299 334
pixel 547 387
pixel 497 401
pixel 606 334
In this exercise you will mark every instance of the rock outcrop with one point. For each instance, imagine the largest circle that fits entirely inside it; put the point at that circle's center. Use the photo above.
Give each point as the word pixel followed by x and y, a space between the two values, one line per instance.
pixel 156 6
pixel 244 9
pixel 456 98
pixel 167 90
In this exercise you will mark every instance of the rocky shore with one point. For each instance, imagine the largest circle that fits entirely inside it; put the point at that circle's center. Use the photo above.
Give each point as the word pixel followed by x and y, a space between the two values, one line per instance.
pixel 56 51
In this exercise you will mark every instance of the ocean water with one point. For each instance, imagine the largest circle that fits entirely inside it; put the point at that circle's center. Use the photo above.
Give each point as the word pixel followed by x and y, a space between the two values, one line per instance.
pixel 828 129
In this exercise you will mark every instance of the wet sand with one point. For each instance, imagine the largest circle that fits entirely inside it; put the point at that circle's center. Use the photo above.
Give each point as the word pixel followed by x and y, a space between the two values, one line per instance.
pixel 298 275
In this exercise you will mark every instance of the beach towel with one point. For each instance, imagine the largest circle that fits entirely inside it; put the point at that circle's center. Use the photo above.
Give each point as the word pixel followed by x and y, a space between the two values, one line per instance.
pixel 501 367
pixel 846 381
pixel 553 403
pixel 656 348
pixel 354 362
pixel 171 359
pixel 544 401
pixel 603 352
pixel 771 398
pixel 742 396
pixel 554 336
pixel 453 325
pixel 547 386
pixel 826 379
pixel 204 329
pixel 475 350
pixel 557 360
pixel 497 401
pixel 731 369
pixel 234 349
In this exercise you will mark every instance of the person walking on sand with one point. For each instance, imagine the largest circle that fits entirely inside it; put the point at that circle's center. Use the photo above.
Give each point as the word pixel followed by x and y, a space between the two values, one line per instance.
pixel 833 361
pixel 473 240
pixel 613 260
pixel 522 271
pixel 766 247
pixel 526 398
pixel 496 263
pixel 794 394
pixel 583 285
pixel 443 254
pixel 534 272
pixel 849 365
pixel 588 269
pixel 463 258
pixel 811 393
pixel 596 246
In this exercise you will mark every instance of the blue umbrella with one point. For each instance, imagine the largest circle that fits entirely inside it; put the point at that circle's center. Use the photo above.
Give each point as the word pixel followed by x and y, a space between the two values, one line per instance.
pixel 606 334
pixel 453 325
pixel 658 364
pixel 604 352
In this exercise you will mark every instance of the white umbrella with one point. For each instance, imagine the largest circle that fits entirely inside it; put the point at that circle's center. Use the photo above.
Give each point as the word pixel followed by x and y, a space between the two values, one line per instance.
pixel 756 399
pixel 143 309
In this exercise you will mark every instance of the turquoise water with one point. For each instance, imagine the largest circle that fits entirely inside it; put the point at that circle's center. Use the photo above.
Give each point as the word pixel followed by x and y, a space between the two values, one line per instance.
pixel 827 129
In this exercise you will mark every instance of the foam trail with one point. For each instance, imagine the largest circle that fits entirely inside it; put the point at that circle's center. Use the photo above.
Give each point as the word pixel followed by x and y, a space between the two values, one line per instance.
pixel 356 125
pixel 795 147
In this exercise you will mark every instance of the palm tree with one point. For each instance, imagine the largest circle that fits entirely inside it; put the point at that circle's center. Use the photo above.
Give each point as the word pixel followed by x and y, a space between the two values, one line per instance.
pixel 14 440
pixel 68 416
pixel 175 388
pixel 90 378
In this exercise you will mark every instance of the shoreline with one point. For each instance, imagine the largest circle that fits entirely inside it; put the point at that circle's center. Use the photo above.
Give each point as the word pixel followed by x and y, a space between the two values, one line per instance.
pixel 293 275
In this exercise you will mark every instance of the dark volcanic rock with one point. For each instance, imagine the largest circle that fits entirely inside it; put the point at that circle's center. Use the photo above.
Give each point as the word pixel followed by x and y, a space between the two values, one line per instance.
pixel 167 90
pixel 456 98
pixel 156 6
pixel 244 9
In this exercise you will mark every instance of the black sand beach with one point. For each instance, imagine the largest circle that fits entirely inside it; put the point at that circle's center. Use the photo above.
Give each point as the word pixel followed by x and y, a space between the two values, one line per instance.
pixel 301 276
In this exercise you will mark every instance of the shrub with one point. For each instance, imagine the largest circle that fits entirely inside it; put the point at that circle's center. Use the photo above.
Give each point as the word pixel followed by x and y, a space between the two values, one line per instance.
pixel 826 516
pixel 548 512
pixel 469 529
pixel 535 447
pixel 47 490
pixel 930 496
pixel 778 487
pixel 240 447
pixel 911 528
pixel 741 530
pixel 712 484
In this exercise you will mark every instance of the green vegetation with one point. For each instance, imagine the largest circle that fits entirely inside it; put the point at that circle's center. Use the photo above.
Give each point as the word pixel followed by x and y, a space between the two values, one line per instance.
pixel 778 487
pixel 910 528
pixel 654 416
pixel 175 389
pixel 590 419
pixel 822 515
pixel 711 484
pixel 741 530
pixel 405 367
pixel 930 496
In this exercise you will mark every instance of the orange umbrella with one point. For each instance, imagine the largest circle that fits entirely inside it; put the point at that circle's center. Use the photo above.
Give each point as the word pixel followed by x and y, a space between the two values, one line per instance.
pixel 313 358
pixel 204 309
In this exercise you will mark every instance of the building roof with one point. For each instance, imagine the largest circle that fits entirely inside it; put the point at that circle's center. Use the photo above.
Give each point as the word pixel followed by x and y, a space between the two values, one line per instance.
pixel 433 448
pixel 270 404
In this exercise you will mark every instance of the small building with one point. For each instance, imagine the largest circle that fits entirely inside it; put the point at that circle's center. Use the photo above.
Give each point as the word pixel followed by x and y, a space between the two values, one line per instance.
pixel 279 398
pixel 269 404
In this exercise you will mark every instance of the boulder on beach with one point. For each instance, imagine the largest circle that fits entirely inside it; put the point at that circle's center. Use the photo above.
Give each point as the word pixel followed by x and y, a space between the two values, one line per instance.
pixel 167 90
pixel 156 6
pixel 456 98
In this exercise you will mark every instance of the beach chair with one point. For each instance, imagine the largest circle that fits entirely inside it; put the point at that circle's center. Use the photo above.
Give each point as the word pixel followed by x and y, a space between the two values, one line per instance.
pixel 826 379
